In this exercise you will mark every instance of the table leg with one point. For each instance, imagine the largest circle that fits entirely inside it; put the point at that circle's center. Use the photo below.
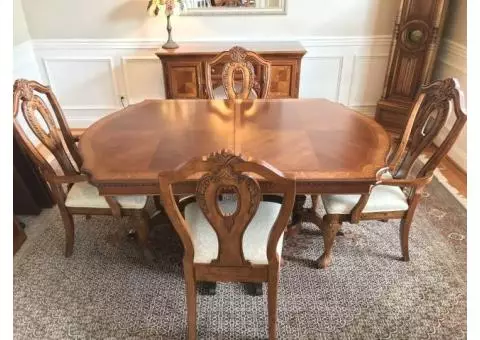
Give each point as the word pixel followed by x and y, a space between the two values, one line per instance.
pixel 207 288
pixel 254 288
pixel 301 214
pixel 297 216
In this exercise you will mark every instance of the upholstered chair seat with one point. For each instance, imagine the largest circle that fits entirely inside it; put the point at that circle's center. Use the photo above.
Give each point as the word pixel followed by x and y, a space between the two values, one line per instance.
pixel 219 92
pixel 255 238
pixel 382 198
pixel 85 195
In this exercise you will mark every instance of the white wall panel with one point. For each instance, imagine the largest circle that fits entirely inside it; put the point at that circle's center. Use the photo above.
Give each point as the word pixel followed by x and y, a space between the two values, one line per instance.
pixel 89 75
pixel 320 77
pixel 143 78
pixel 83 82
pixel 367 80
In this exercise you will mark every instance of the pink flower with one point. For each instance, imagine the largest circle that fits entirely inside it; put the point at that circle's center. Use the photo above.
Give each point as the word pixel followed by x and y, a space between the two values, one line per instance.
pixel 169 7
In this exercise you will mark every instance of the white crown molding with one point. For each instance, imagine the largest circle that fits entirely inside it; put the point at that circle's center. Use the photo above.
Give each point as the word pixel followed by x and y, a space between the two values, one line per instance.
pixel 308 41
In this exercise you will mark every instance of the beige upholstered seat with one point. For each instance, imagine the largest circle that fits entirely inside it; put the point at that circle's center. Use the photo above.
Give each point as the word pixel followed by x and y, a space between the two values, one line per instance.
pixel 85 195
pixel 382 198
pixel 219 92
pixel 255 238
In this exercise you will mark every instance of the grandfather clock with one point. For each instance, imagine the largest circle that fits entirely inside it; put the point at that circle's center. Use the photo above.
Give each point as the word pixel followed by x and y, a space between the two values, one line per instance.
pixel 416 38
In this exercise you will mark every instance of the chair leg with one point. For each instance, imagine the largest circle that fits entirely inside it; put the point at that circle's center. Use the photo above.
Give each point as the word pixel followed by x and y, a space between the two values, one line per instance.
pixel 405 224
pixel 69 231
pixel 272 304
pixel 329 229
pixel 191 291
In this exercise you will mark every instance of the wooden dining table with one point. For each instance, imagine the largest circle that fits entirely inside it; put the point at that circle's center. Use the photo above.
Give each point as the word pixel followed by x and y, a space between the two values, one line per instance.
pixel 328 147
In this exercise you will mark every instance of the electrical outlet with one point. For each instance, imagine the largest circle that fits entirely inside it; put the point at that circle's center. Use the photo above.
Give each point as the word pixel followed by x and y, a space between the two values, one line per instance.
pixel 123 100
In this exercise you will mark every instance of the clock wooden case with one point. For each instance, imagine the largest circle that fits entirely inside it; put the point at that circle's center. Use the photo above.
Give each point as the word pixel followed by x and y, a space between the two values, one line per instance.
pixel 416 38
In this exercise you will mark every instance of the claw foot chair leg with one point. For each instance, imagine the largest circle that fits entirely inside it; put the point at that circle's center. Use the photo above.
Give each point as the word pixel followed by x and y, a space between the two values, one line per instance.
pixel 330 229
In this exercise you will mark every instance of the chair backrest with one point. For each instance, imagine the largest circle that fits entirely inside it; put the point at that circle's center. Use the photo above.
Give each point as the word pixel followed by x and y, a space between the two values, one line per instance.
pixel 428 117
pixel 226 172
pixel 239 61
pixel 43 124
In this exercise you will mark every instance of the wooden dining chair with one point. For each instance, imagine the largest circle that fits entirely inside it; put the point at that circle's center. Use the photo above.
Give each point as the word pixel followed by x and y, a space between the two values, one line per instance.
pixel 70 188
pixel 388 198
pixel 238 79
pixel 237 240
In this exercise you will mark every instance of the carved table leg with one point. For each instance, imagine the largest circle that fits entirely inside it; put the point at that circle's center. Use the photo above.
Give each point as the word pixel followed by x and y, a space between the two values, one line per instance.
pixel 330 229
pixel 254 289
pixel 297 216
pixel 207 288
pixel 142 232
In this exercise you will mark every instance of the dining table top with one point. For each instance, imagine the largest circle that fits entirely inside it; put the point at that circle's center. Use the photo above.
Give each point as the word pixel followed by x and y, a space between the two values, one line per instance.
pixel 322 143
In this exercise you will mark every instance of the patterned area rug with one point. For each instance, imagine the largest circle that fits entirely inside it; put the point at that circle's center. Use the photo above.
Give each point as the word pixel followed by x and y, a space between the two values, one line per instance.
pixel 105 291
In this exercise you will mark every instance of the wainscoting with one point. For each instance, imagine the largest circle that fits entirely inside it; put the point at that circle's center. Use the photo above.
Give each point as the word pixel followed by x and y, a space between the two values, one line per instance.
pixel 93 77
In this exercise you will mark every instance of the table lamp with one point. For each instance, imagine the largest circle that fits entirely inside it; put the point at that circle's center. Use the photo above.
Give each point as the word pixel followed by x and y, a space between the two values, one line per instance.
pixel 153 9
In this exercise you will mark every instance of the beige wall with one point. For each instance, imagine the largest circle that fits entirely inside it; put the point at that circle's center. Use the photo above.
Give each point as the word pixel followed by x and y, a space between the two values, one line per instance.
pixel 20 28
pixel 49 19
pixel 452 62
pixel 456 22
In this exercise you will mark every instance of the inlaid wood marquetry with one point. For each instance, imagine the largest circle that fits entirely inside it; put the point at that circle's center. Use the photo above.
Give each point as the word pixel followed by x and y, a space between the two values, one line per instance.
pixel 183 78
pixel 281 82
pixel 327 146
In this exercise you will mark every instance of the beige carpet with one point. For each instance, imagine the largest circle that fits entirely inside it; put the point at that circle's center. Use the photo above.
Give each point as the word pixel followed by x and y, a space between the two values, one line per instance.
pixel 104 291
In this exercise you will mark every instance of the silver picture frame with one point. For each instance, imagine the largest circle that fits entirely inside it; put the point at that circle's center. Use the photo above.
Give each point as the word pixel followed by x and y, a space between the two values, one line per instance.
pixel 202 8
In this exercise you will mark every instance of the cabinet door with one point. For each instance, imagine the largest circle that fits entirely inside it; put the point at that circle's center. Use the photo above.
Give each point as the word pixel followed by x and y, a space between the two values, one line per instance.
pixel 284 79
pixel 183 79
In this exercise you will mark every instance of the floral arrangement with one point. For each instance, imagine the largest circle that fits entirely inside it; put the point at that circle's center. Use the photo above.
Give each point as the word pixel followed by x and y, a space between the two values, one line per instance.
pixel 154 6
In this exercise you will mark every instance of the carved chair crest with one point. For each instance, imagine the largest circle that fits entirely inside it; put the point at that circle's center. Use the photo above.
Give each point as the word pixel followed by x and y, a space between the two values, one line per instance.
pixel 43 126
pixel 240 62
pixel 430 113
pixel 225 172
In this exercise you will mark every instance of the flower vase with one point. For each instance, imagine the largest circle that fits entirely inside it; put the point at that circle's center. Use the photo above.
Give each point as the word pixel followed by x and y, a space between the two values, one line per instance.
pixel 170 44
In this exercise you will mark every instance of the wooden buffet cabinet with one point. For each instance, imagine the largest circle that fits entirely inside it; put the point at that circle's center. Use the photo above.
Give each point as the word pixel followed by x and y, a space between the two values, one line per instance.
pixel 184 68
